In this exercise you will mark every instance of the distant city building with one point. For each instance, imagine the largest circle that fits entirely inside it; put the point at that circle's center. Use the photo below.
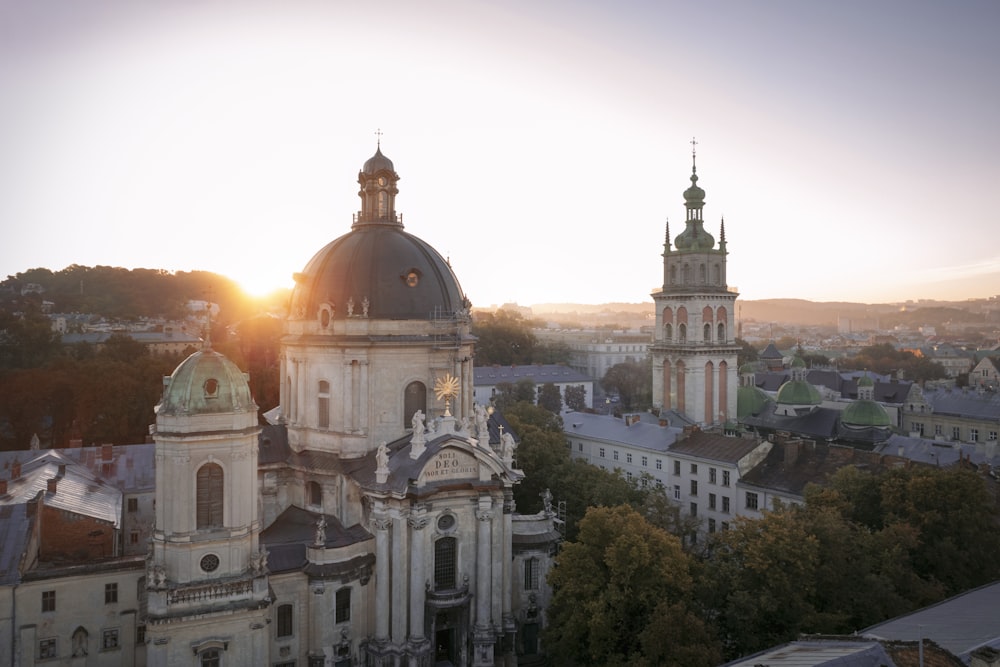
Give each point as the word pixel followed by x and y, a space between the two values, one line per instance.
pixel 593 352
pixel 952 414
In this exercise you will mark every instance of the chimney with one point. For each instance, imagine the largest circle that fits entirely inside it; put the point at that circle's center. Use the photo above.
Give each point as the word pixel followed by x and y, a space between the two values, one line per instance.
pixel 52 483
pixel 107 452
pixel 15 470
pixel 3 487
pixel 792 451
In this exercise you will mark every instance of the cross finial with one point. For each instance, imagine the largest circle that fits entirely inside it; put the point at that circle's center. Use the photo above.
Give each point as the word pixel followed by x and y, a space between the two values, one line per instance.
pixel 694 152
pixel 378 137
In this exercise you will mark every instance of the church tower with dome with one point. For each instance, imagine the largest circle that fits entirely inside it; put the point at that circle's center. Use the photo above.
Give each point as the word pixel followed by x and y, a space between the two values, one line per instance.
pixel 694 350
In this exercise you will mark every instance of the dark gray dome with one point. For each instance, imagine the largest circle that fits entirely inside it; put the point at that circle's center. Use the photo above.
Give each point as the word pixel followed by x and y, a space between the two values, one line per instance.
pixel 377 163
pixel 401 276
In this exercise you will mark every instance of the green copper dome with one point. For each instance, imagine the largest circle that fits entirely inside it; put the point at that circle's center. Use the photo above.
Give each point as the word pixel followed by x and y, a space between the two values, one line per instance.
pixel 750 401
pixel 866 381
pixel 798 392
pixel 206 383
pixel 797 362
pixel 865 413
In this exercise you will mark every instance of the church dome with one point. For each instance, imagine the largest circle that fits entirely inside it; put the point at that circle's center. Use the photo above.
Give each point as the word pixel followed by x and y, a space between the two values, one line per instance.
pixel 694 196
pixel 865 413
pixel 798 392
pixel 750 401
pixel 865 381
pixel 399 275
pixel 377 163
pixel 206 383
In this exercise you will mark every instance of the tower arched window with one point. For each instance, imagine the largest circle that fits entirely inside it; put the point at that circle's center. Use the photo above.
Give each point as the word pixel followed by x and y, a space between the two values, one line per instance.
pixel 701 274
pixel 717 274
pixel 314 494
pixel 445 552
pixel 383 205
pixel 673 275
pixel 323 405
pixel 414 398
pixel 722 333
pixel 707 333
pixel 682 333
pixel 668 332
pixel 686 274
pixel 209 499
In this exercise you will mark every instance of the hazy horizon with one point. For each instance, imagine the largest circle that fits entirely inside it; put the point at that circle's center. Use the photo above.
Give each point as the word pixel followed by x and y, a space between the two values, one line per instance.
pixel 541 147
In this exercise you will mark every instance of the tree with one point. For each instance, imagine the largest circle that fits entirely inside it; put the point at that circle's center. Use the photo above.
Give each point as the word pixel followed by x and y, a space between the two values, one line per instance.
pixel 550 398
pixel 632 381
pixel 617 590
pixel 505 339
pixel 576 397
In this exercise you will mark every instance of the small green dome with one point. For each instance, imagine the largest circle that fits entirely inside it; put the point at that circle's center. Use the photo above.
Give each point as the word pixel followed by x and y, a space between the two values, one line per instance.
pixel 206 383
pixel 798 392
pixel 865 413
pixel 750 401
pixel 866 381
pixel 798 362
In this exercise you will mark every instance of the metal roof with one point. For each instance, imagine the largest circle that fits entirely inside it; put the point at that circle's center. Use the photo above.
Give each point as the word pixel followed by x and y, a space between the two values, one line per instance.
pixel 612 430
pixel 959 624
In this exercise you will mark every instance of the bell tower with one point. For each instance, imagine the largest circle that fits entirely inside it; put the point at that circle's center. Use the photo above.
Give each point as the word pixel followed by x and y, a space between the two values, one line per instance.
pixel 206 578
pixel 694 349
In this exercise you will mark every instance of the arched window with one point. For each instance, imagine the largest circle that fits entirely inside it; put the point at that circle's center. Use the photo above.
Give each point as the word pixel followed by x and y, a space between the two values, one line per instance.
pixel 444 563
pixel 210 658
pixel 209 496
pixel 414 398
pixel 668 332
pixel 284 621
pixel 342 611
pixel 383 205
pixel 673 275
pixel 685 274
pixel 682 333
pixel 708 333
pixel 314 494
pixel 323 404
pixel 722 333
pixel 717 274
pixel 701 274
pixel 531 570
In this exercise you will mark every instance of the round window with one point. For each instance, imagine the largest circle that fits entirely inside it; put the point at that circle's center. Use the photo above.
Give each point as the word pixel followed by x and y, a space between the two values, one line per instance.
pixel 209 563
pixel 446 522
pixel 211 388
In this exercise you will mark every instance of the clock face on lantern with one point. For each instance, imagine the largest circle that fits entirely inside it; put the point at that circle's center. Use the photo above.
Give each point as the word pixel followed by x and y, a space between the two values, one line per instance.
pixel 381 180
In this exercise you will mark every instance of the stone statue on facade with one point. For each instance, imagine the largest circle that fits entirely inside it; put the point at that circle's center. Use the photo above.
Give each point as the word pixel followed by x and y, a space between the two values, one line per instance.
pixel 321 531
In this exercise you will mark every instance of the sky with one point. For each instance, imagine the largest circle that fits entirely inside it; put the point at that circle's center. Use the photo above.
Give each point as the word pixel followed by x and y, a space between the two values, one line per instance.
pixel 852 147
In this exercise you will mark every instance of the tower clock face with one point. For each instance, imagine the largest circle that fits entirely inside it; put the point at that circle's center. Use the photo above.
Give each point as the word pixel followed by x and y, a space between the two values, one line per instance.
pixel 381 180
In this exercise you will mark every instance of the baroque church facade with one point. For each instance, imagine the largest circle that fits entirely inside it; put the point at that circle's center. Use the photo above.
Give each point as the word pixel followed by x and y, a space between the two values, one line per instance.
pixel 369 521
pixel 694 349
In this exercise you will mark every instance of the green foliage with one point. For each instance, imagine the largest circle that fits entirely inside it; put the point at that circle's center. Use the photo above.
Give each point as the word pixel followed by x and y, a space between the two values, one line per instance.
pixel 505 339
pixel 884 359
pixel 632 381
pixel 621 594
pixel 550 398
pixel 747 354
pixel 26 338
pixel 576 397
pixel 865 548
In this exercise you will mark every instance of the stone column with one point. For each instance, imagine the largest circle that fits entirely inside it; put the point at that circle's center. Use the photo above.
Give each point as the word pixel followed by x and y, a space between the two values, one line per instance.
pixel 418 643
pixel 383 584
pixel 483 637
pixel 400 573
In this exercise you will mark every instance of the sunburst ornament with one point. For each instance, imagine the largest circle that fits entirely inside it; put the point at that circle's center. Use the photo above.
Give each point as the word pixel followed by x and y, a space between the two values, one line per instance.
pixel 446 388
